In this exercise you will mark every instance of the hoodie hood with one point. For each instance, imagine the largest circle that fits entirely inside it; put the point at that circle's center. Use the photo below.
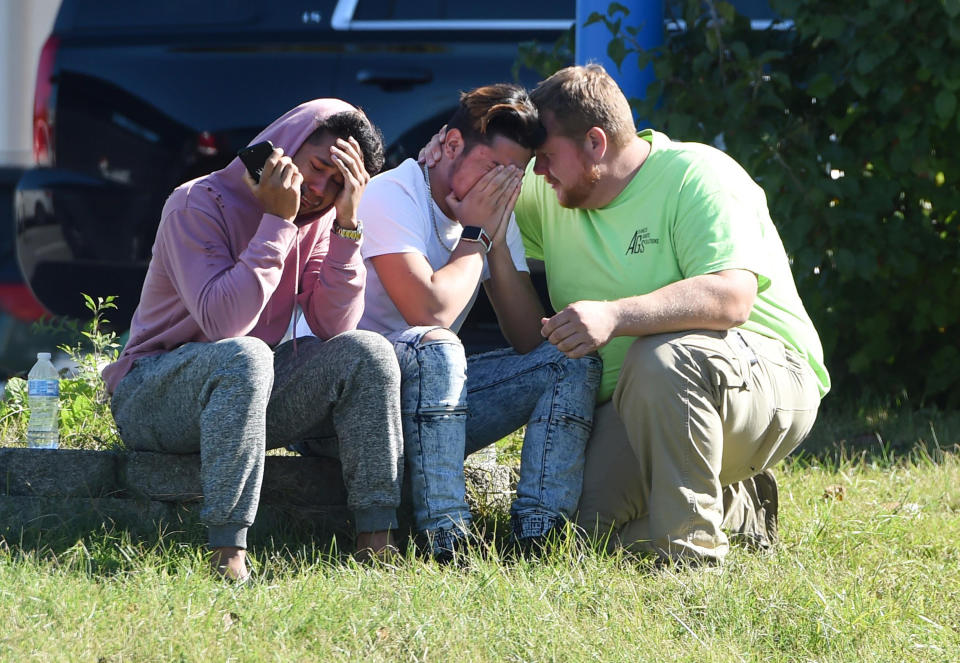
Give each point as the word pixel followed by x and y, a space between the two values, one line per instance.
pixel 288 132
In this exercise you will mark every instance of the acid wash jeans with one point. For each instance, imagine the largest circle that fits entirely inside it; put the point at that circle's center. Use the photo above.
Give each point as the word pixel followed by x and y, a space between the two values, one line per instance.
pixel 453 405
pixel 233 399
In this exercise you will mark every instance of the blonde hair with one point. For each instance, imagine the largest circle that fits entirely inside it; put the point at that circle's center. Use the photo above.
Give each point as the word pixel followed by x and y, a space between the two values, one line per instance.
pixel 582 97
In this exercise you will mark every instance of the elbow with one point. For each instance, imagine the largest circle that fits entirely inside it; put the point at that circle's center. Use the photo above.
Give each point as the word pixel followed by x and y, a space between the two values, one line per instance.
pixel 427 320
pixel 328 331
pixel 217 331
pixel 523 343
pixel 736 311
pixel 525 346
pixel 739 315
pixel 736 296
pixel 426 315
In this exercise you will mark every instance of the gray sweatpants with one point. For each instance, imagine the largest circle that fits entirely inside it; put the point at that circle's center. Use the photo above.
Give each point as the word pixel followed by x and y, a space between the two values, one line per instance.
pixel 234 399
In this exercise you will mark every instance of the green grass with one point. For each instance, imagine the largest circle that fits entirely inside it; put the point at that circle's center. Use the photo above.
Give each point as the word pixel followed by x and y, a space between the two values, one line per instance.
pixel 868 570
pixel 869 577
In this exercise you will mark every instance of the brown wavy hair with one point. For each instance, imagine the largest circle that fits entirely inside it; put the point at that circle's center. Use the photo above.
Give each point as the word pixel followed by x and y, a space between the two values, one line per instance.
pixel 495 110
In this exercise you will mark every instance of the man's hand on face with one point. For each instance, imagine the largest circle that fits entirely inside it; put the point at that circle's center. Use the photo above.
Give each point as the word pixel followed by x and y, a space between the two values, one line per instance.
pixel 500 238
pixel 347 156
pixel 581 328
pixel 279 187
pixel 485 202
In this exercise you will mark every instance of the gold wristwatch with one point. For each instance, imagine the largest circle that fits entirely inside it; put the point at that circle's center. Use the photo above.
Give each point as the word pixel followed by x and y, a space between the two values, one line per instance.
pixel 355 235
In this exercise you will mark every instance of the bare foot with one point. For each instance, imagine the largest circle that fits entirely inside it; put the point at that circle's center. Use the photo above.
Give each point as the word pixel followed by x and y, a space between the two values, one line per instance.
pixel 375 546
pixel 230 563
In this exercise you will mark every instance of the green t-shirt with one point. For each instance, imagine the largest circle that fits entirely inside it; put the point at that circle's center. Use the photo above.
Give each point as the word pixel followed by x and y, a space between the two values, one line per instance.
pixel 690 210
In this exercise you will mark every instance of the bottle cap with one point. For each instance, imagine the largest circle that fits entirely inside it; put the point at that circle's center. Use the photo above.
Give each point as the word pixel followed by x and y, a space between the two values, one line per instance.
pixel 43 355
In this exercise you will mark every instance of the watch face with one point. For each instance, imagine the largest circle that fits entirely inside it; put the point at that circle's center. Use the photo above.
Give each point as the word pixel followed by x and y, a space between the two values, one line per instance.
pixel 471 232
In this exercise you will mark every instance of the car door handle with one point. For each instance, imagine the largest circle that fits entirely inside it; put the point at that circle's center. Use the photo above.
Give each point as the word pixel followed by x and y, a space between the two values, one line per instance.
pixel 394 79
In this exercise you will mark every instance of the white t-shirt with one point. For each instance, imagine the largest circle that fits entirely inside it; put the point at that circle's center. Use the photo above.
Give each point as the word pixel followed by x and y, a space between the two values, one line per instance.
pixel 396 219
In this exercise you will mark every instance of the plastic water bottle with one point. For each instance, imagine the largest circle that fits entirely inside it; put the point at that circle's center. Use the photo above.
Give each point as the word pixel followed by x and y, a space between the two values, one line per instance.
pixel 43 431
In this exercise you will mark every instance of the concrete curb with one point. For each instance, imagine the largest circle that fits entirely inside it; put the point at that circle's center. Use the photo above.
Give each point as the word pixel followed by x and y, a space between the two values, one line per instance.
pixel 145 492
pixel 142 492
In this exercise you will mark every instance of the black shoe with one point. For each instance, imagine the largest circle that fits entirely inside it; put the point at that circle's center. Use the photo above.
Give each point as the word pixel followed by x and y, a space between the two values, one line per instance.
pixel 444 546
pixel 557 537
pixel 533 547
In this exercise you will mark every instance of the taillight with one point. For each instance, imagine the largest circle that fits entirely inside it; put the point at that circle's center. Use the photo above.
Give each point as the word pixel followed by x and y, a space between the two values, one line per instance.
pixel 17 299
pixel 43 104
pixel 207 144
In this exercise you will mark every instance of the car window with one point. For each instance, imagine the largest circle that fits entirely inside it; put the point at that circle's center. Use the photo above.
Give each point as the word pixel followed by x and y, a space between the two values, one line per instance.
pixel 490 14
pixel 379 10
pixel 454 14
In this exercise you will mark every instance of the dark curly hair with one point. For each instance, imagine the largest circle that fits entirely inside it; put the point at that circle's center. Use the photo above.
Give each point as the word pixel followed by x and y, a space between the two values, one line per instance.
pixel 354 123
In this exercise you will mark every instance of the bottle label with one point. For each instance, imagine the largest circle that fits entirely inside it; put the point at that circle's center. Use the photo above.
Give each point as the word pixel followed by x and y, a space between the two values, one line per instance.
pixel 44 387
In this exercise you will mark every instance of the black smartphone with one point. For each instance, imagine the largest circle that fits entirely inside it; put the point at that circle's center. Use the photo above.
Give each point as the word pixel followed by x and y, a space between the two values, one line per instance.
pixel 254 156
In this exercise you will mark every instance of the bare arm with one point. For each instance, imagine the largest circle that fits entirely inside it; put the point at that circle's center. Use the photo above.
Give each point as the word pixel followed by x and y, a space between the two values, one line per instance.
pixel 516 304
pixel 711 301
pixel 511 291
pixel 426 297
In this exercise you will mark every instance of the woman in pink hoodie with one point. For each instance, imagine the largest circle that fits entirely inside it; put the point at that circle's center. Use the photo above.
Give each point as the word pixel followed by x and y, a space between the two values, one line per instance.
pixel 205 369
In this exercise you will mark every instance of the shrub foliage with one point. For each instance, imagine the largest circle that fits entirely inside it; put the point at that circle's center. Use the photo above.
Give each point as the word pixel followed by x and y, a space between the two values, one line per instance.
pixel 85 419
pixel 848 118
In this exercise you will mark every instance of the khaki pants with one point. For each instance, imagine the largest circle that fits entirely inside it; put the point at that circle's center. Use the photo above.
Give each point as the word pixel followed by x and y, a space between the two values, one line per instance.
pixel 693 415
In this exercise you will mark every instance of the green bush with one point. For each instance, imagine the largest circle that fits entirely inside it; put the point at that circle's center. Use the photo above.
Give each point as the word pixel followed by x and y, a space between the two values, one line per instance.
pixel 850 122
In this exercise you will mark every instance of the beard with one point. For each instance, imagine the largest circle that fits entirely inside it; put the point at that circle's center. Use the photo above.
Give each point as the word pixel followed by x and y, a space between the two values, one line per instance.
pixel 575 195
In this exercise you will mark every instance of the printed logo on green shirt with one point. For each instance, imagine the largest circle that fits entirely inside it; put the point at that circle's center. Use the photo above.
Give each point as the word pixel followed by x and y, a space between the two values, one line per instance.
pixel 640 240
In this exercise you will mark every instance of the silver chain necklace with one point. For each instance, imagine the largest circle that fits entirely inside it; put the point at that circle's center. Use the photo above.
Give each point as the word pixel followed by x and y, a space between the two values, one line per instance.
pixel 430 205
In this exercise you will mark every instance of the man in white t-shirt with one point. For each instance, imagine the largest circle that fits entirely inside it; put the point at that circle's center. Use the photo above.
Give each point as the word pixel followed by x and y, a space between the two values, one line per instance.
pixel 432 236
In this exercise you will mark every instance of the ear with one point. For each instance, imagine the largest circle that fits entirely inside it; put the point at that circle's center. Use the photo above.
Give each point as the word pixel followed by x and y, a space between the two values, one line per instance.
pixel 595 143
pixel 453 144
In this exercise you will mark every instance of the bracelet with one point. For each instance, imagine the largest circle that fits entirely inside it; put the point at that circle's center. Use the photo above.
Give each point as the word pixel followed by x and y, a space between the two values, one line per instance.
pixel 355 235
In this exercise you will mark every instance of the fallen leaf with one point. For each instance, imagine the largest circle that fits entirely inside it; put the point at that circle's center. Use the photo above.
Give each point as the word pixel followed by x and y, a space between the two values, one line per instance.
pixel 229 619
pixel 911 508
pixel 835 492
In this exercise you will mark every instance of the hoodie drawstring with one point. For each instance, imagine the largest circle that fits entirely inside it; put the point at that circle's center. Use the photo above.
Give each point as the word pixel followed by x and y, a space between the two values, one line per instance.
pixel 296 291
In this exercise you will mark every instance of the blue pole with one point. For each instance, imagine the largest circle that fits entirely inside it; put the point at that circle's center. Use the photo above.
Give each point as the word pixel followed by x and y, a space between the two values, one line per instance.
pixel 591 42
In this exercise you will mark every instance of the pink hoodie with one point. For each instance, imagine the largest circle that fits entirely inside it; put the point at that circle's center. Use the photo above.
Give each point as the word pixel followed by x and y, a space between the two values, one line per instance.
pixel 221 268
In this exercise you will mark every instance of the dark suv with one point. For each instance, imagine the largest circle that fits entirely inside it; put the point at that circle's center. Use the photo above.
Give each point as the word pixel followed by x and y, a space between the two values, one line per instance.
pixel 134 98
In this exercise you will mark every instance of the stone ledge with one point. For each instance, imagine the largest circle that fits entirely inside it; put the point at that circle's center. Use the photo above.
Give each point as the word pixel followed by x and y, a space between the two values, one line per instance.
pixel 142 491
pixel 147 517
pixel 57 473
pixel 54 513
pixel 156 476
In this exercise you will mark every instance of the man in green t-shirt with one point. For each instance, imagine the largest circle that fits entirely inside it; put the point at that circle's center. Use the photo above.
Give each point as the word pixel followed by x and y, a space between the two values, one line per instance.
pixel 662 257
